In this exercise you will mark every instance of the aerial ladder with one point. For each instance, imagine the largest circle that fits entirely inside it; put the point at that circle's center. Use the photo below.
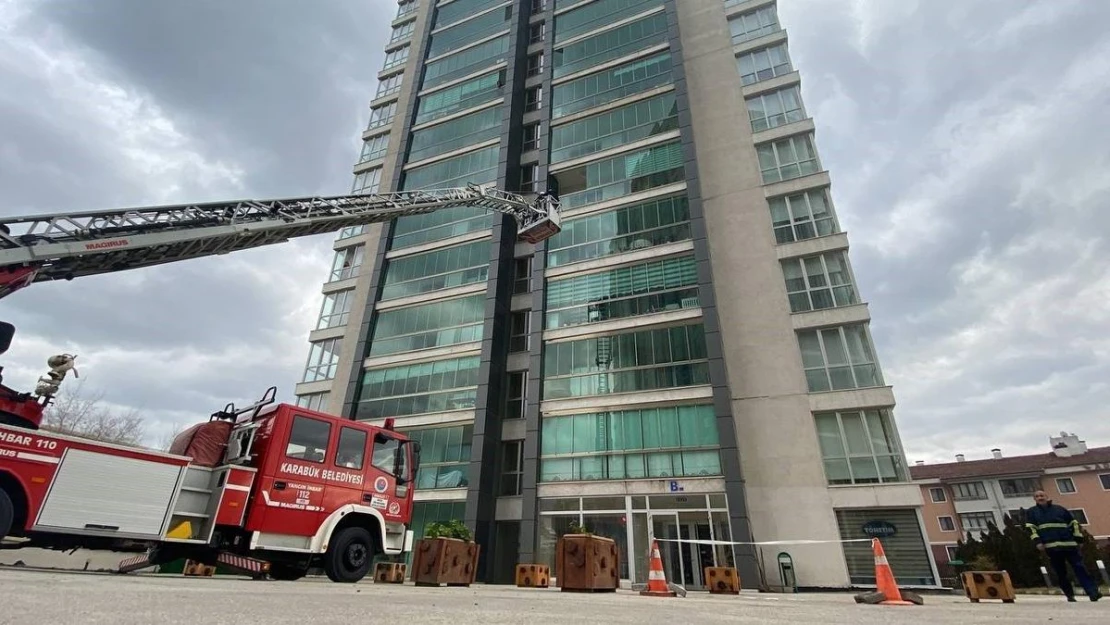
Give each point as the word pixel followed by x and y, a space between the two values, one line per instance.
pixel 64 246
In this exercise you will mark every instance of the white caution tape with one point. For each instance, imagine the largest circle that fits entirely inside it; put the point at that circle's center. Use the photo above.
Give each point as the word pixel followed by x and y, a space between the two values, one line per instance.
pixel 767 542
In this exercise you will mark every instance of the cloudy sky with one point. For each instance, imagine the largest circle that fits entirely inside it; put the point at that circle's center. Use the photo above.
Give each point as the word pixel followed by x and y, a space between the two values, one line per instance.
pixel 966 142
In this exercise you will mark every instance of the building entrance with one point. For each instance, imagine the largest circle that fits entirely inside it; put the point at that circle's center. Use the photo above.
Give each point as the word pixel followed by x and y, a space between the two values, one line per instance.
pixel 684 563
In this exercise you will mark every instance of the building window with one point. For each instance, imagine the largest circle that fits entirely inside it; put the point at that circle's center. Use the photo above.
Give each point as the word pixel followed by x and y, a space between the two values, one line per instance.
pixel 950 551
pixel 444 456
pixel 407 7
pixel 946 524
pixel 1104 479
pixel 539 6
pixel 465 62
pixel 775 109
pixel 514 395
pixel 753 24
pixel 1065 485
pixel 621 175
pixel 937 495
pixel 374 148
pixel 512 468
pixel 323 361
pixel 631 291
pixel 367 181
pixel 518 332
pixel 389 86
pixel 788 158
pixel 533 99
pixel 336 309
pixel 968 491
pixel 455 134
pixel 428 387
pixel 434 271
pixel 614 128
pixel 350 231
pixel 475 166
pixel 530 178
pixel 608 45
pixel 630 444
pixel 537 32
pixel 626 229
pixel 764 64
pixel 313 401
pixel 612 84
pixel 535 64
pixel 589 16
pixel 396 57
pixel 403 31
pixel 1021 487
pixel 457 25
pixel 819 282
pixel 859 447
pixel 802 216
pixel 839 358
pixel 531 137
pixel 442 224
pixel 623 363
pixel 977 521
pixel 382 115
pixel 522 275
pixel 427 326
pixel 1080 515
pixel 460 97
pixel 347 262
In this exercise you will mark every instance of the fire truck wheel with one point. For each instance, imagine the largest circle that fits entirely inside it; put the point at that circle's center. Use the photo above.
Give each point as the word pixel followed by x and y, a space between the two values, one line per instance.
pixel 7 513
pixel 349 556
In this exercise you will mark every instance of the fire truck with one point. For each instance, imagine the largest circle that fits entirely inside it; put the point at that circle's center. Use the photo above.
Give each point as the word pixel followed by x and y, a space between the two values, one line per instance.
pixel 268 489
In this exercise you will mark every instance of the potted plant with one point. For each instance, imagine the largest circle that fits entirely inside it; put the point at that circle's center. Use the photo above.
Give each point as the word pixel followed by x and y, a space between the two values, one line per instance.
pixel 585 561
pixel 447 554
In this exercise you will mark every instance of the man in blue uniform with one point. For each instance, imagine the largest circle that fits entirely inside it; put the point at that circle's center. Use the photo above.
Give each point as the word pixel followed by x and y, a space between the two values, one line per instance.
pixel 1057 533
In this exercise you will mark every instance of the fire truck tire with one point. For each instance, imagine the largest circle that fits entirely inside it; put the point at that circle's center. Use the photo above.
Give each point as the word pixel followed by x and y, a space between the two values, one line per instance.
pixel 7 513
pixel 349 555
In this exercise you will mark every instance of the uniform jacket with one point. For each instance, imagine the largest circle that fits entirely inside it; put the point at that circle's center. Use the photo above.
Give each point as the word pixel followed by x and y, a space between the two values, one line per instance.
pixel 1053 526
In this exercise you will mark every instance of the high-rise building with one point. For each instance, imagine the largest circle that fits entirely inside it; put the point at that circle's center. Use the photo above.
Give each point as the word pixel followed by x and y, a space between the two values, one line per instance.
pixel 688 359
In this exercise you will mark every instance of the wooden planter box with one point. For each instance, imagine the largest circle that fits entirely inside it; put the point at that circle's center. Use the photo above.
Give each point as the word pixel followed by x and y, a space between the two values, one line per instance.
pixel 988 585
pixel 389 573
pixel 722 580
pixel 587 563
pixel 532 575
pixel 448 561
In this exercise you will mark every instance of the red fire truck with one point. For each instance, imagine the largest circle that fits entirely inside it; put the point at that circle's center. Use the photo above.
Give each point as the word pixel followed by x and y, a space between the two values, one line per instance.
pixel 270 488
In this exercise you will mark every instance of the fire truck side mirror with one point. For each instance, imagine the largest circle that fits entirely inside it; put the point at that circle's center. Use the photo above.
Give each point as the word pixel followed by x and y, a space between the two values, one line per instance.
pixel 7 331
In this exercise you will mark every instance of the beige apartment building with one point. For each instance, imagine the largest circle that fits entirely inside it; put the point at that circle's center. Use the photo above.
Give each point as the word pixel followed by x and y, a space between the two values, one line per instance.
pixel 690 358
pixel 963 496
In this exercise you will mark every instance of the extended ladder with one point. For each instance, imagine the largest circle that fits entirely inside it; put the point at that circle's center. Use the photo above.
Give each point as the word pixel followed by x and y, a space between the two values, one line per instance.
pixel 69 245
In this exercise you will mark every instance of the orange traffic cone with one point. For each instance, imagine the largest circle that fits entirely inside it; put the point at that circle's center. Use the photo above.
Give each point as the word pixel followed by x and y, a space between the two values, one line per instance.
pixel 884 577
pixel 657 579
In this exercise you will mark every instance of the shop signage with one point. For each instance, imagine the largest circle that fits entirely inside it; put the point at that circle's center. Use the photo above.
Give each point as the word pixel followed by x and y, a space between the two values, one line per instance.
pixel 879 529
pixel 676 487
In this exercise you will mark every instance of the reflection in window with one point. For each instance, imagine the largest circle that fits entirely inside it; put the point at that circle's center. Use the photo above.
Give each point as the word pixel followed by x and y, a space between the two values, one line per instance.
pixel 439 386
pixel 630 444
pixel 644 289
pixel 859 447
pixel 438 324
pixel 444 456
pixel 625 229
pixel 433 271
pixel 308 439
pixel 839 358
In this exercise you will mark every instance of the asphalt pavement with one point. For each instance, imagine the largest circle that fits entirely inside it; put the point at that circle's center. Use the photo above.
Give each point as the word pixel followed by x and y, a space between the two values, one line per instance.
pixel 36 597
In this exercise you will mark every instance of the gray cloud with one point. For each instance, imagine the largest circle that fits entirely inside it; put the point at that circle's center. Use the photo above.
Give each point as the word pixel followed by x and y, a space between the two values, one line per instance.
pixel 128 104
pixel 970 169
pixel 965 141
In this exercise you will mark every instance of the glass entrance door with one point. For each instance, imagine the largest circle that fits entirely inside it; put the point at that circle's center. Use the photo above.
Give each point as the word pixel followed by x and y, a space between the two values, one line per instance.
pixel 684 563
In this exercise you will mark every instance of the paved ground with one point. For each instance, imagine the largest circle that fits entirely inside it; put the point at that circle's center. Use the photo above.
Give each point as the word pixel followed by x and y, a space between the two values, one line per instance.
pixel 35 597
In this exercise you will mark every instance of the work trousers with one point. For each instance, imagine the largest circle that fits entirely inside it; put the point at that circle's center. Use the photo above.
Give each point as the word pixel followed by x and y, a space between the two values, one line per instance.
pixel 1060 558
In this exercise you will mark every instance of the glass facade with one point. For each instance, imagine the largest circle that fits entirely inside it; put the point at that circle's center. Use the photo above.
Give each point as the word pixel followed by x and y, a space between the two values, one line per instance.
pixel 594 367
